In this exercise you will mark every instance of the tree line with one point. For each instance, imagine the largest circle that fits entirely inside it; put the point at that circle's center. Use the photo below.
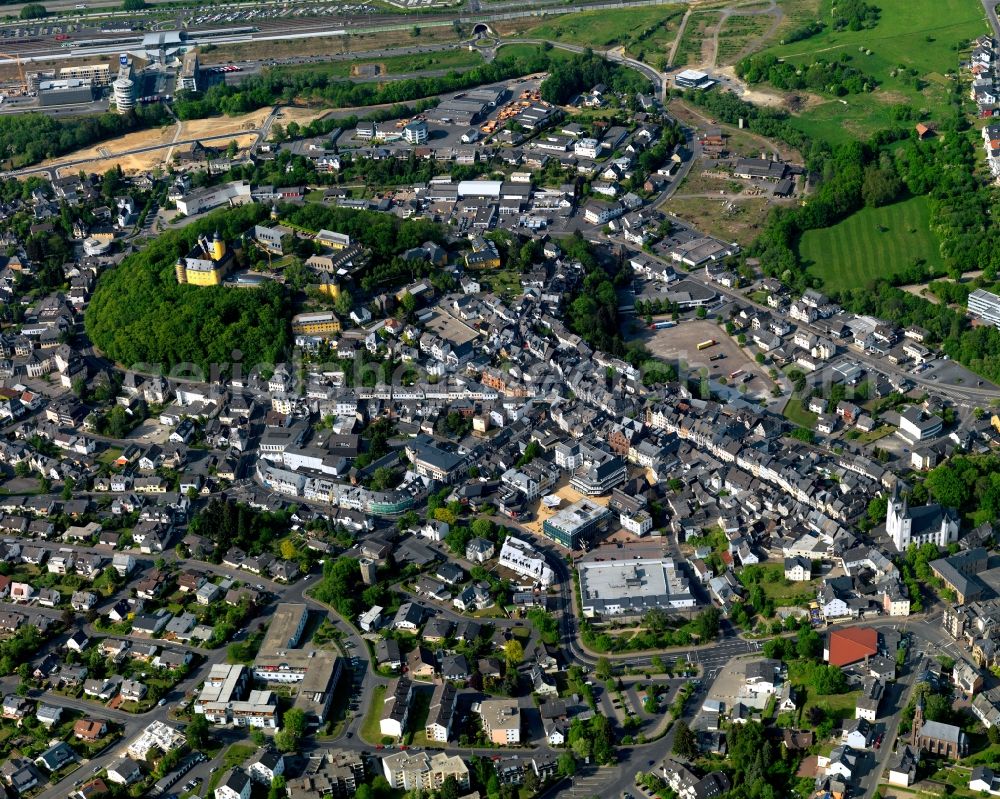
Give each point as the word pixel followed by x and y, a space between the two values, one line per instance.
pixel 26 139
pixel 280 85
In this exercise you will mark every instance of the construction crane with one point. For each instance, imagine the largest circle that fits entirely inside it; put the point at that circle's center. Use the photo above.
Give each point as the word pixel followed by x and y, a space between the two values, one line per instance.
pixel 20 70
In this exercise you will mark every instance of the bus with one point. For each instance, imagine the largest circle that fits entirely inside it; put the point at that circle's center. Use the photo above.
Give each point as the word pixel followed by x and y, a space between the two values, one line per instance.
pixel 661 325
pixel 734 375
pixel 707 343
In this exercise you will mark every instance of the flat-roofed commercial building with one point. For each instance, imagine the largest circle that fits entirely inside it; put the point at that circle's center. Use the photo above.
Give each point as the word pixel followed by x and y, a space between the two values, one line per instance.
pixel 281 659
pixel 224 699
pixel 100 74
pixel 573 523
pixel 633 586
pixel 66 91
pixel 985 305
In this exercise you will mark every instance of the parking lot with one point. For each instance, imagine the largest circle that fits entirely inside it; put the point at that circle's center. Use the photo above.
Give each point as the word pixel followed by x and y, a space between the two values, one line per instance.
pixel 286 12
pixel 679 345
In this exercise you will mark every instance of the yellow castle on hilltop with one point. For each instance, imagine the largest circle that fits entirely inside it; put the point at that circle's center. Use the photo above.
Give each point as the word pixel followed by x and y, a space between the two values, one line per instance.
pixel 207 264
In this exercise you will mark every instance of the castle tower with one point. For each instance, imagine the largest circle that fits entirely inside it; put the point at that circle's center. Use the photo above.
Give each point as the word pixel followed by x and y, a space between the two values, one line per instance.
pixel 217 249
pixel 274 212
pixel 181 271
pixel 329 286
pixel 369 571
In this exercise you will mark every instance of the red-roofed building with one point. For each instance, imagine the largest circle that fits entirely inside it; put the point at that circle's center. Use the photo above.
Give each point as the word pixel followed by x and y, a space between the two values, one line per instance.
pixel 850 645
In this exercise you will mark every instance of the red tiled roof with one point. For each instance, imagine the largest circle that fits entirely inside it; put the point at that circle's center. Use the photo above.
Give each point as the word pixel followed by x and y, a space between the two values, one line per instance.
pixel 851 645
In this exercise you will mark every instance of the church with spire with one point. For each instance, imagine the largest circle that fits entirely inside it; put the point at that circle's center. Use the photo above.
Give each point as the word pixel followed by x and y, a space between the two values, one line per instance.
pixel 925 524
pixel 935 737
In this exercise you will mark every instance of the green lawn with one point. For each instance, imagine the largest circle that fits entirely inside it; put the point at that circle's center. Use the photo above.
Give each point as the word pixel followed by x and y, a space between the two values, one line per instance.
pixel 646 33
pixel 797 413
pixel 838 706
pixel 370 730
pixel 785 592
pixel 236 755
pixel 873 243
pixel 918 35
pixel 516 50
pixel 110 455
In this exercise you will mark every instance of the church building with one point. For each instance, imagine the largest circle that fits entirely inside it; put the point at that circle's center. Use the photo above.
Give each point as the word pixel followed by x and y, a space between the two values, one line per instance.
pixel 926 524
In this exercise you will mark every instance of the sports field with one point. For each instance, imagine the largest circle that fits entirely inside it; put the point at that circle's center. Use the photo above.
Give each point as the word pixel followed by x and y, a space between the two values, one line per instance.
pixel 873 243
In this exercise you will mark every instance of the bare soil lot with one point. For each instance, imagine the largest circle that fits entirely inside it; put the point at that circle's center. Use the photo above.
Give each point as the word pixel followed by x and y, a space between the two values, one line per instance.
pixel 679 345
pixel 102 157
pixel 731 217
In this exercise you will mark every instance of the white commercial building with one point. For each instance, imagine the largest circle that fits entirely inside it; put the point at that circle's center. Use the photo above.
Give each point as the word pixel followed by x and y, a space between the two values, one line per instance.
pixel 633 586
pixel 415 132
pixel 586 148
pixel 224 699
pixel 985 305
pixel 526 561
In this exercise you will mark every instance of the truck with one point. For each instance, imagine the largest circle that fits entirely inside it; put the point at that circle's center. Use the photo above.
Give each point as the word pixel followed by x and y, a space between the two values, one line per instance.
pixel 62 37
pixel 661 325
pixel 704 345
pixel 717 357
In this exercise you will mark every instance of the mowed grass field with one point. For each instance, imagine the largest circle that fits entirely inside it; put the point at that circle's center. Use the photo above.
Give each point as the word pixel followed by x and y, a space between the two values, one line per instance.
pixel 914 46
pixel 645 33
pixel 873 243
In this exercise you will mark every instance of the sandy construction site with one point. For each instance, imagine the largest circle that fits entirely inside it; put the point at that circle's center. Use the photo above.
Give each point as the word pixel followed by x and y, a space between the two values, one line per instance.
pixel 157 144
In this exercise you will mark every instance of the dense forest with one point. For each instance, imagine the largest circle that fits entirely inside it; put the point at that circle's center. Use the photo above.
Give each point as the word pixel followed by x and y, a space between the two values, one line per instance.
pixel 26 139
pixel 969 483
pixel 854 15
pixel 384 234
pixel 139 313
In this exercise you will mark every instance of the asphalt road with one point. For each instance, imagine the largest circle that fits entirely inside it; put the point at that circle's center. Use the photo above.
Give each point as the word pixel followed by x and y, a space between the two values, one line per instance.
pixel 969 393
pixel 991 14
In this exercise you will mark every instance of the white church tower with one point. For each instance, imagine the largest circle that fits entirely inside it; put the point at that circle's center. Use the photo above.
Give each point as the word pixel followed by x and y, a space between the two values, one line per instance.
pixel 898 523
pixel 926 524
